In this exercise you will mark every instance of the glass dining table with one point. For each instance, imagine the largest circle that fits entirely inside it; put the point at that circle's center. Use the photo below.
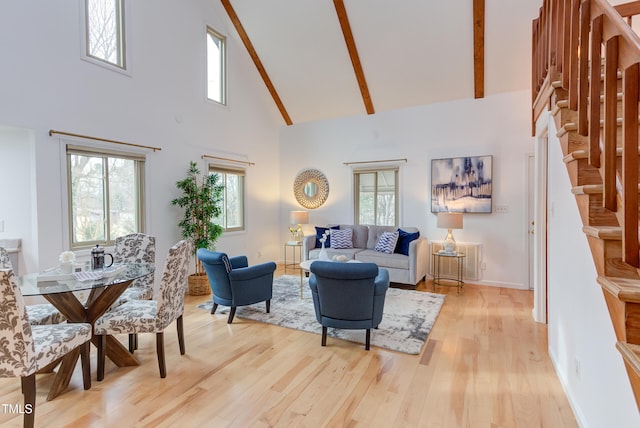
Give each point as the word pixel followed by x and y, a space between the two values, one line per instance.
pixel 104 287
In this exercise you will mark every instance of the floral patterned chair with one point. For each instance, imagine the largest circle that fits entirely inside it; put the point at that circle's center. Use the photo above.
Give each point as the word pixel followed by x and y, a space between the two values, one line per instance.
pixel 136 248
pixel 39 314
pixel 27 348
pixel 151 316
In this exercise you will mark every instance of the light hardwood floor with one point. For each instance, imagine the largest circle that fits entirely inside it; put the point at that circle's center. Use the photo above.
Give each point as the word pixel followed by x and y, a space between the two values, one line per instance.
pixel 485 365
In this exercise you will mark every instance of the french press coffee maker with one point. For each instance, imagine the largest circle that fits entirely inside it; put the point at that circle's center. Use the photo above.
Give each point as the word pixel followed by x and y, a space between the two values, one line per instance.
pixel 97 258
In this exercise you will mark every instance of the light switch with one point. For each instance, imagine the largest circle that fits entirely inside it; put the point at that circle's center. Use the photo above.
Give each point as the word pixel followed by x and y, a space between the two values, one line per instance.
pixel 502 209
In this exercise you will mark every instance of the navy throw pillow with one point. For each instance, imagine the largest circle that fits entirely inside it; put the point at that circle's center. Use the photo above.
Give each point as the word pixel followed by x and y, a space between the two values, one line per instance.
pixel 319 232
pixel 404 239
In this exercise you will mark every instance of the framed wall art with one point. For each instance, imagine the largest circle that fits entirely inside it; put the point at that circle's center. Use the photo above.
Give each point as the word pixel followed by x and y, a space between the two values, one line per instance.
pixel 461 184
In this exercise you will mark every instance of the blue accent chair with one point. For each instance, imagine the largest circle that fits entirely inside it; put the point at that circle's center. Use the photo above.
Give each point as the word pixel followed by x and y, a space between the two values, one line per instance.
pixel 234 283
pixel 348 295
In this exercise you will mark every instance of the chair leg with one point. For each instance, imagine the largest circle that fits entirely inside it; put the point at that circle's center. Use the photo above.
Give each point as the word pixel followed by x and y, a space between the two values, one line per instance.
pixel 232 313
pixel 324 336
pixel 160 351
pixel 368 340
pixel 268 305
pixel 101 345
pixel 29 391
pixel 86 364
pixel 213 308
pixel 180 327
pixel 132 343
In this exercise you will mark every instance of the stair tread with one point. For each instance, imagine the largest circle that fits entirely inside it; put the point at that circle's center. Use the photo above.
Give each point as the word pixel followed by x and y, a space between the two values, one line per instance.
pixel 575 155
pixel 630 354
pixel 588 189
pixel 612 233
pixel 625 289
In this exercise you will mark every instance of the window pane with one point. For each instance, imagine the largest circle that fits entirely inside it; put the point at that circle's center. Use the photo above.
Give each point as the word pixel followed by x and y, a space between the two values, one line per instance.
pixel 123 198
pixel 366 194
pixel 386 199
pixel 376 197
pixel 234 208
pixel 87 198
pixel 104 190
pixel 215 67
pixel 104 30
pixel 232 215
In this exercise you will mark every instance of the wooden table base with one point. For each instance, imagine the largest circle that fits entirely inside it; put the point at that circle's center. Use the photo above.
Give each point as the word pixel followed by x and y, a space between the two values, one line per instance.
pixel 99 301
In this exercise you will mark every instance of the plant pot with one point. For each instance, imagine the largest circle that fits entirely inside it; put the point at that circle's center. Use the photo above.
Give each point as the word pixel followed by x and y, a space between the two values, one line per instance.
pixel 199 284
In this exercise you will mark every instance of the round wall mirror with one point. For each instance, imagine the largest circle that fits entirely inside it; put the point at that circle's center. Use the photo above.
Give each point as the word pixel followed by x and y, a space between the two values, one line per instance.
pixel 311 188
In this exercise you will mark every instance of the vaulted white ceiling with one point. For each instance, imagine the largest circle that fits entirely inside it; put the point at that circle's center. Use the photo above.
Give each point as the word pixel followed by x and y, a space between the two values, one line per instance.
pixel 413 52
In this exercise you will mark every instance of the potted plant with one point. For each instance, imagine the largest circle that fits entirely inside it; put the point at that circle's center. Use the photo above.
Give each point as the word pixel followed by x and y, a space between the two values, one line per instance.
pixel 202 202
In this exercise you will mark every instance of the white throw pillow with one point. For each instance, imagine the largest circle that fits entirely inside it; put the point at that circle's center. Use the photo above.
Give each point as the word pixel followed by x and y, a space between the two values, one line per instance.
pixel 342 238
pixel 387 242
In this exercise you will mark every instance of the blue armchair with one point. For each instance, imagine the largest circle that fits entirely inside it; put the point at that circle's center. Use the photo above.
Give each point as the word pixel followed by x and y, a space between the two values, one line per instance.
pixel 234 283
pixel 348 295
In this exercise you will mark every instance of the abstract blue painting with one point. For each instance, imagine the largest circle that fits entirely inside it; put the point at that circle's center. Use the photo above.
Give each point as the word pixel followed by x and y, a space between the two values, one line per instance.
pixel 461 184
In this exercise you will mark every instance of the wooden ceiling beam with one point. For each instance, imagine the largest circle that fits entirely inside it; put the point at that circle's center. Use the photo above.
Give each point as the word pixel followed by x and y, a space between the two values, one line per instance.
pixel 256 59
pixel 353 53
pixel 478 48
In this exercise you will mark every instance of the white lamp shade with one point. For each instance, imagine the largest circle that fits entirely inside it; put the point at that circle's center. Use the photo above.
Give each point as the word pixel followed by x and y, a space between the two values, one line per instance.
pixel 299 217
pixel 450 220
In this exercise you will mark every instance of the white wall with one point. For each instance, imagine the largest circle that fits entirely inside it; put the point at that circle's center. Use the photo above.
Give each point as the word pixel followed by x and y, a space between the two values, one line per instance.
pixel 17 176
pixel 497 125
pixel 581 337
pixel 44 84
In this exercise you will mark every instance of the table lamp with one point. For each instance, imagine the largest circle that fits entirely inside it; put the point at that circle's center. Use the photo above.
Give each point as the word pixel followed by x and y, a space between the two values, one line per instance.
pixel 447 220
pixel 297 219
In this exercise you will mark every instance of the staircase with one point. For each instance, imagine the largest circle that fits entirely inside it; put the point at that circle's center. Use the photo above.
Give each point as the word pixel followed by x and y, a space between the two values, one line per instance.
pixel 586 70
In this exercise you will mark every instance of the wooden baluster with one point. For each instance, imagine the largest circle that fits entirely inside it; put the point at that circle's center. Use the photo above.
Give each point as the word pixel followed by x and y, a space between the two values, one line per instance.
pixel 560 31
pixel 553 39
pixel 534 62
pixel 545 37
pixel 610 123
pixel 566 43
pixel 573 64
pixel 630 166
pixel 583 88
pixel 595 89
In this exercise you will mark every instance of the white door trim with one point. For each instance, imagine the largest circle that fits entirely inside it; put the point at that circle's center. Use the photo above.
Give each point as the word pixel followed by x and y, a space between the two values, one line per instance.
pixel 540 240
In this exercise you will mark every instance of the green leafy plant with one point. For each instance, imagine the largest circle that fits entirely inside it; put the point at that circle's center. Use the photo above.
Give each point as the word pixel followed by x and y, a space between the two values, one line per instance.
pixel 202 202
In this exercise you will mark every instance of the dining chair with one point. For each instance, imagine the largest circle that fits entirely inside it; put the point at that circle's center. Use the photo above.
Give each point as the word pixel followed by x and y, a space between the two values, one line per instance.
pixel 151 316
pixel 28 348
pixel 41 313
pixel 136 248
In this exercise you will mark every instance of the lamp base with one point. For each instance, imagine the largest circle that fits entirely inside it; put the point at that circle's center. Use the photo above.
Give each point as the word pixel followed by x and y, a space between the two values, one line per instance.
pixel 295 233
pixel 449 244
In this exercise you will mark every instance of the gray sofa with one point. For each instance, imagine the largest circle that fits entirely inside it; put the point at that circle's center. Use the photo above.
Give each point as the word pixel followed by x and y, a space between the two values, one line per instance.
pixel 402 269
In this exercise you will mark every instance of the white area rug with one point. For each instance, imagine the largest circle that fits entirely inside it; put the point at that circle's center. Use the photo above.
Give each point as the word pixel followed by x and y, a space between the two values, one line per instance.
pixel 408 315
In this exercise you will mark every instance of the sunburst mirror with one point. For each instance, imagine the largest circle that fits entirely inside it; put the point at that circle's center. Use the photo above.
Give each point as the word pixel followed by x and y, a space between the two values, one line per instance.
pixel 311 188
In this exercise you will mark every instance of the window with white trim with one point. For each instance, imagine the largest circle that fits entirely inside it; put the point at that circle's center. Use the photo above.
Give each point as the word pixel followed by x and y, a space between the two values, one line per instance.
pixel 105 195
pixel 232 217
pixel 216 65
pixel 104 37
pixel 376 197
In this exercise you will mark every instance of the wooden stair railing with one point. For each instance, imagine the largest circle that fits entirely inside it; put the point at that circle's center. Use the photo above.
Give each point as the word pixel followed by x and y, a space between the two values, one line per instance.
pixel 580 30
pixel 586 71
